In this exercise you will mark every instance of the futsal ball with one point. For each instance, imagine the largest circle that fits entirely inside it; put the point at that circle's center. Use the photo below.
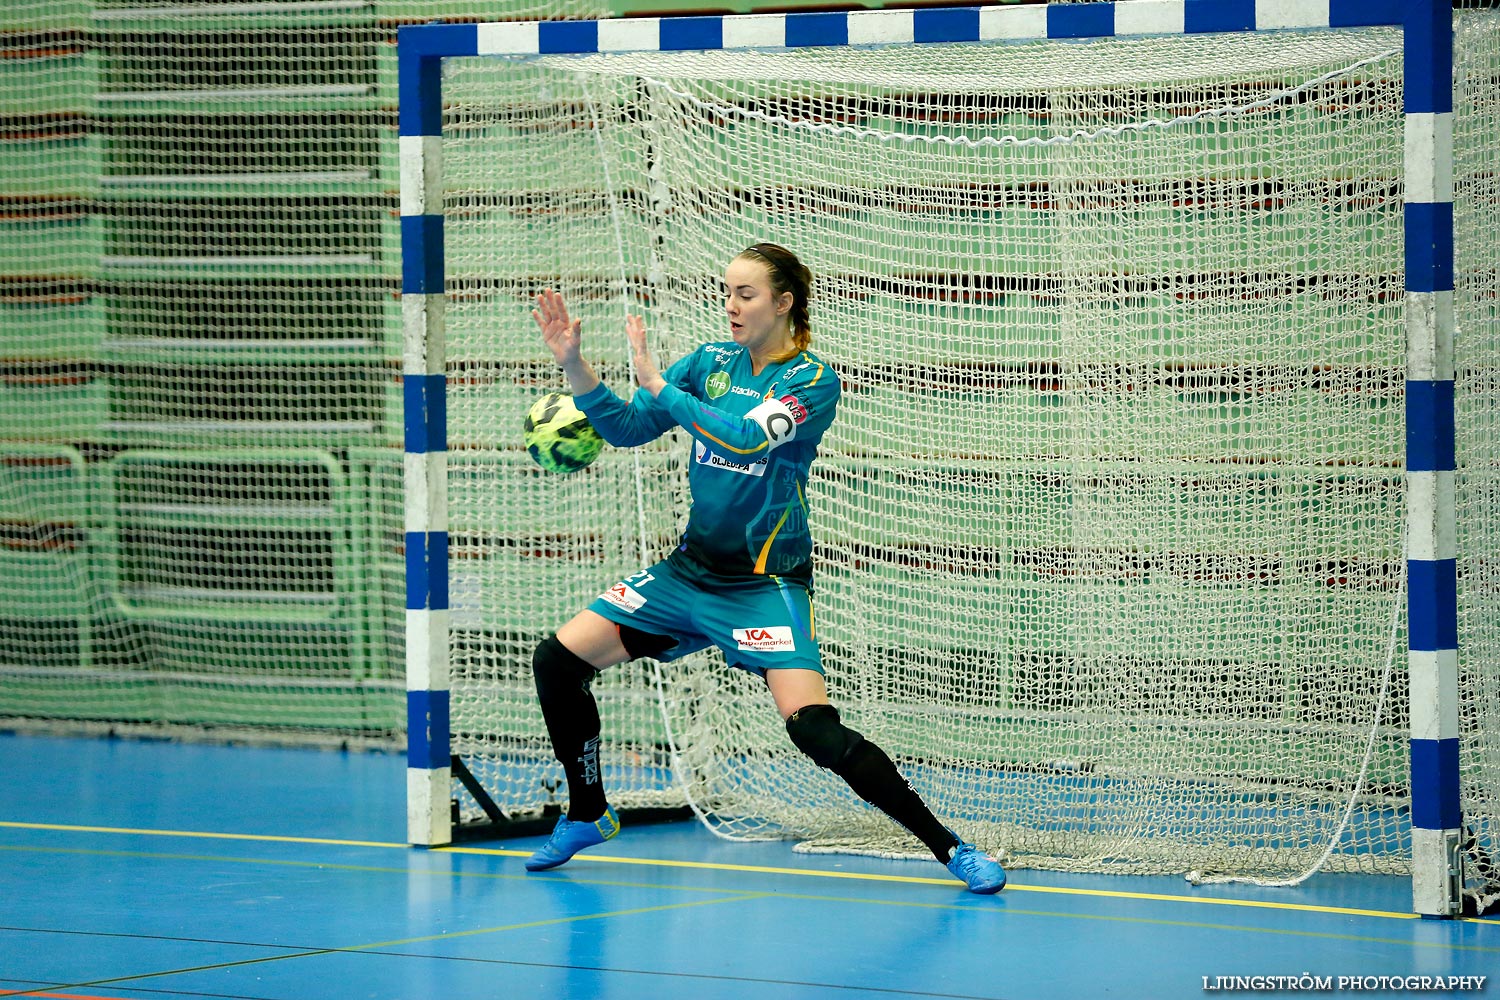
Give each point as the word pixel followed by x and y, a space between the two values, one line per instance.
pixel 558 435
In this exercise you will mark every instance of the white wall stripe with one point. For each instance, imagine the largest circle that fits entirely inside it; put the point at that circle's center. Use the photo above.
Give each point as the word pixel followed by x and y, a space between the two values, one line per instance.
pixel 1429 336
pixel 1429 158
pixel 277 177
pixel 1150 17
pixel 230 94
pixel 242 260
pixel 232 9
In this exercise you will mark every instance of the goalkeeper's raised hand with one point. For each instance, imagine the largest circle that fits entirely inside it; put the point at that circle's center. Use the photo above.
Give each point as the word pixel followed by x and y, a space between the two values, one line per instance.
pixel 646 371
pixel 564 338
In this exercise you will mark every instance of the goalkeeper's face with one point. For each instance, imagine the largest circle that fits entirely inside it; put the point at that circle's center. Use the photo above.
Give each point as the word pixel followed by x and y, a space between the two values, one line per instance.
pixel 758 317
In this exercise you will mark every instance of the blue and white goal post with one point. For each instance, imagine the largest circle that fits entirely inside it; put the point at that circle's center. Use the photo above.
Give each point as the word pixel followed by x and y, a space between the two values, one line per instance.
pixel 1430 532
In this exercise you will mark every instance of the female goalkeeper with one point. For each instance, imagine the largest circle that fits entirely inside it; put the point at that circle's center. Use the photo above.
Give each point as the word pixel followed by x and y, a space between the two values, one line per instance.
pixel 756 406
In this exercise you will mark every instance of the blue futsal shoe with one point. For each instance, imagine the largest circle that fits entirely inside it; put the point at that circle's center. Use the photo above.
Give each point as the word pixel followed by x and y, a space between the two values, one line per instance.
pixel 976 869
pixel 571 836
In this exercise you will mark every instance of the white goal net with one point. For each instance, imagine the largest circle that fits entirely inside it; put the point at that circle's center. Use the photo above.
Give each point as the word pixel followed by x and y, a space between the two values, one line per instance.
pixel 1110 522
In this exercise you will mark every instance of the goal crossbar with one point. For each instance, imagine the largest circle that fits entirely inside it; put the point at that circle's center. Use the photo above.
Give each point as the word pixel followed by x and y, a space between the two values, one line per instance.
pixel 1430 461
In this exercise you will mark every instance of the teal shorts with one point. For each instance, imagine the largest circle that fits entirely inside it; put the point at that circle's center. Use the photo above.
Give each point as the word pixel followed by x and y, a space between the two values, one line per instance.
pixel 761 623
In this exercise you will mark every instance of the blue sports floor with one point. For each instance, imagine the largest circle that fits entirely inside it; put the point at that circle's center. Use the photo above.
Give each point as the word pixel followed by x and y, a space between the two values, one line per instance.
pixel 155 870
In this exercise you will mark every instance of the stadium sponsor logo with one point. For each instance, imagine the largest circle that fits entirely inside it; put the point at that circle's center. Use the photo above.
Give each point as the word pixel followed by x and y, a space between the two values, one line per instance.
pixel 742 391
pixel 775 638
pixel 702 456
pixel 622 596
pixel 716 384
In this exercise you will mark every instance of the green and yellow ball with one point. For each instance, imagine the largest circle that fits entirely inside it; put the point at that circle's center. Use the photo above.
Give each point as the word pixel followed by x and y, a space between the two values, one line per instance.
pixel 558 435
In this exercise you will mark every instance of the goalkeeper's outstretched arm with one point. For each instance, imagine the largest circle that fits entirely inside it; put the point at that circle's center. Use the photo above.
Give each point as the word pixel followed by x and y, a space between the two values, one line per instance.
pixel 737 438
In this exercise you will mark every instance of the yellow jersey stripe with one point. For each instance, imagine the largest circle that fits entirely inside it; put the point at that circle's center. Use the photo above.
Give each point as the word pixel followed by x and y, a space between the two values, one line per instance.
pixel 721 444
pixel 820 369
pixel 765 550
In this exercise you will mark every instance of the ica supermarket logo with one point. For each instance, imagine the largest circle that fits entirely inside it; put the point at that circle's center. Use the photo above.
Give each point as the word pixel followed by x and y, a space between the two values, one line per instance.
pixel 772 638
pixel 717 384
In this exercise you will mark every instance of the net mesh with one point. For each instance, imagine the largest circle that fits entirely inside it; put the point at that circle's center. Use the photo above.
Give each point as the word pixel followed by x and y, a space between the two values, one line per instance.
pixel 1110 521
pixel 200 407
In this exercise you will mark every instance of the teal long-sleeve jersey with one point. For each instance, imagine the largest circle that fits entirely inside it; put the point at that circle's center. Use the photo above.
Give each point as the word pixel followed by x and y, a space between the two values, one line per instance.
pixel 754 437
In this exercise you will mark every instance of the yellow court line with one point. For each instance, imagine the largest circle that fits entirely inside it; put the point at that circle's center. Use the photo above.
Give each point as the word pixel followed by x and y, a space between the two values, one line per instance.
pixel 201 834
pixel 725 895
pixel 922 880
pixel 753 869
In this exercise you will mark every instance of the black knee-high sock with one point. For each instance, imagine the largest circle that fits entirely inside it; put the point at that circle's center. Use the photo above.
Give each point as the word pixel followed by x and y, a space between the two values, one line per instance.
pixel 873 777
pixel 572 717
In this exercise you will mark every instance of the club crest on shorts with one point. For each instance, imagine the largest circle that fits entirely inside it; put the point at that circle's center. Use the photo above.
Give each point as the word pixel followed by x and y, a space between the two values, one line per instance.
pixel 772 639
